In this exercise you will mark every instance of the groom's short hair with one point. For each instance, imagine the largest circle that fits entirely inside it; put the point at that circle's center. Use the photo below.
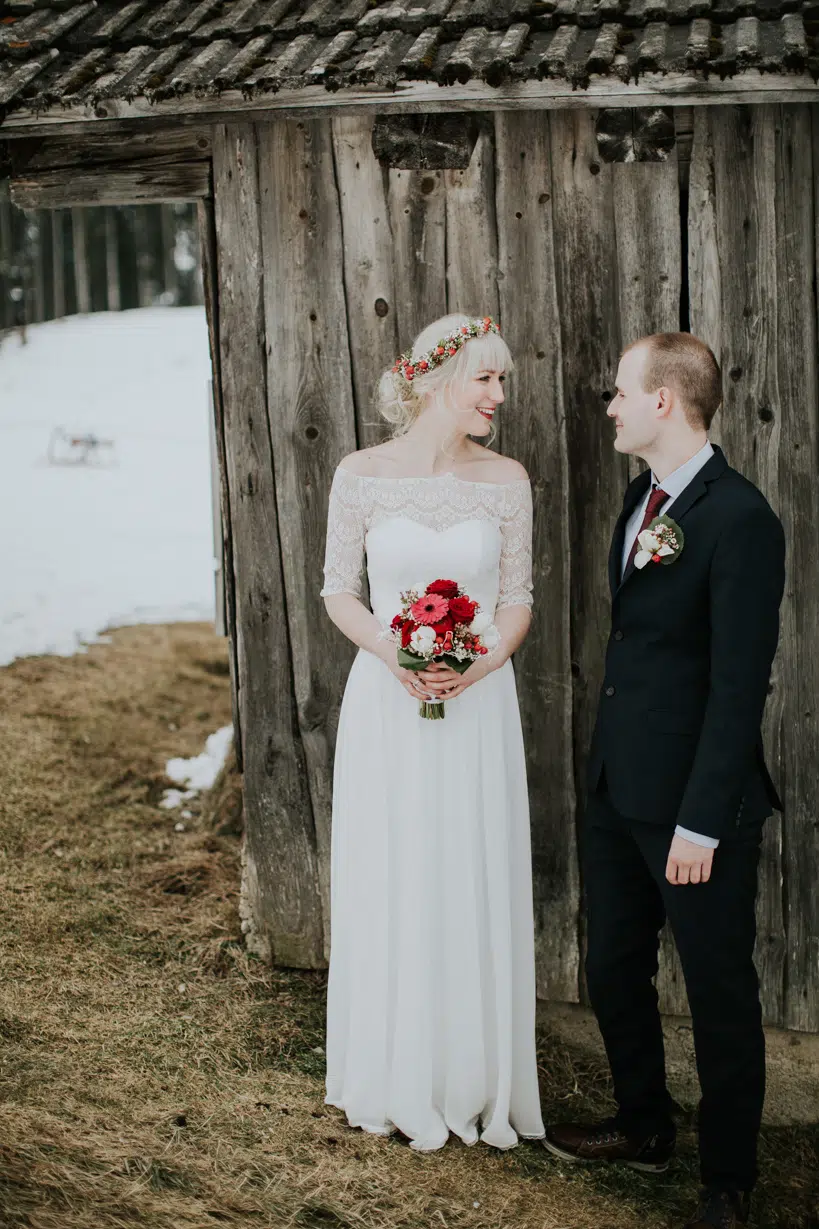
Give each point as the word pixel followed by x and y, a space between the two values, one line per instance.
pixel 686 364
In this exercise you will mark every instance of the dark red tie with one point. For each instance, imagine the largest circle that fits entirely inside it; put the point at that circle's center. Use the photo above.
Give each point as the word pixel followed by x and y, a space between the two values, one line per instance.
pixel 655 501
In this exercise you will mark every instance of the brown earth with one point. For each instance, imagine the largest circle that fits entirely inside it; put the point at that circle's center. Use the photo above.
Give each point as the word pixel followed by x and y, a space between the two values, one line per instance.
pixel 154 1074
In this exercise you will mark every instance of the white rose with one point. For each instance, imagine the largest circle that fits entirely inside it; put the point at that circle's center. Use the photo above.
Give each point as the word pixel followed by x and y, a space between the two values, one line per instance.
pixel 480 623
pixel 422 640
pixel 648 541
pixel 491 637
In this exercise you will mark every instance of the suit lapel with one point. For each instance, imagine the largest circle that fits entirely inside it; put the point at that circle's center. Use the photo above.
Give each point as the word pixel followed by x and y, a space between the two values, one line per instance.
pixel 714 467
pixel 634 494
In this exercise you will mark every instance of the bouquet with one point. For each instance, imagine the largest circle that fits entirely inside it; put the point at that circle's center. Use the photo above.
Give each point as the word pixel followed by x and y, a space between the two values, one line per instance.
pixel 440 622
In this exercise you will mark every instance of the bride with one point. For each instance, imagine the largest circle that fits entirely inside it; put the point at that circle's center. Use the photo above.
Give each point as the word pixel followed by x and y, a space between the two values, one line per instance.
pixel 431 998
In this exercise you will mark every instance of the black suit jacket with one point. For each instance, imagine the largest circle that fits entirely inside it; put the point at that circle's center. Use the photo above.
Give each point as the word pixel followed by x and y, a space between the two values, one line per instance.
pixel 689 659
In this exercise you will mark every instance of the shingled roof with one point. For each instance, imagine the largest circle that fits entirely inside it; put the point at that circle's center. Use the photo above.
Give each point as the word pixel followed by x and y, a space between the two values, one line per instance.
pixel 56 52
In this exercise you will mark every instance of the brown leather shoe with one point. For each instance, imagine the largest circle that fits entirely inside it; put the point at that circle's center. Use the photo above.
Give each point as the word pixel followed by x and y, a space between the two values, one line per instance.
pixel 721 1209
pixel 607 1142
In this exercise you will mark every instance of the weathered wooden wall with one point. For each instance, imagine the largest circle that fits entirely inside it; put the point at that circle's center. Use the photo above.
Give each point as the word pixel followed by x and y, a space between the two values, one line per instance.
pixel 328 264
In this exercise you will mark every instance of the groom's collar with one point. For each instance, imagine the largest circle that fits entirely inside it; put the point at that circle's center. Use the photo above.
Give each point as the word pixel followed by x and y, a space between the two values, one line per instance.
pixel 713 468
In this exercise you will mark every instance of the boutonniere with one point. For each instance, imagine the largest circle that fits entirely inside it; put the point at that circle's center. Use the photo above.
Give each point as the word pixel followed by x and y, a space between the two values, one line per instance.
pixel 662 542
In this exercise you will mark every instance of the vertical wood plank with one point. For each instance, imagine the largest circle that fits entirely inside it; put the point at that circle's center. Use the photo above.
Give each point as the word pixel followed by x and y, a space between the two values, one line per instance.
pixel 368 268
pixel 472 239
pixel 417 205
pixel 311 422
pixel 649 265
pixel 471 234
pixel 281 846
pixel 208 247
pixel 745 233
pixel 535 433
pixel 796 341
pixel 704 278
pixel 586 266
pixel 767 252
pixel 586 263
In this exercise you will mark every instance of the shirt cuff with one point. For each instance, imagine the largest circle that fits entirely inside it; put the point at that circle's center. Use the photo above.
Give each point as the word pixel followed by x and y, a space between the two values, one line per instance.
pixel 710 842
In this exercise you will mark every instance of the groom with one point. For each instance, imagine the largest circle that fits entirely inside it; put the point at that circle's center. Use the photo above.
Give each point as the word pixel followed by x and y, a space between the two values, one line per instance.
pixel 678 788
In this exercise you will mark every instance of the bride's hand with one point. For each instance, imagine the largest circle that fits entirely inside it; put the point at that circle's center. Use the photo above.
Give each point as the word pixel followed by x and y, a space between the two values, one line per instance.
pixel 446 683
pixel 410 680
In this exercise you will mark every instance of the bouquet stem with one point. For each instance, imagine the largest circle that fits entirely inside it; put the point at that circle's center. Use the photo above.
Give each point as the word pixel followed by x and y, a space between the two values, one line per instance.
pixel 433 710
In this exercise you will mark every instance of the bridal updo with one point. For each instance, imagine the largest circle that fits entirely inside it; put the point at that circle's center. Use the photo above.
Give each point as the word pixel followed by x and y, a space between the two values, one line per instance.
pixel 400 401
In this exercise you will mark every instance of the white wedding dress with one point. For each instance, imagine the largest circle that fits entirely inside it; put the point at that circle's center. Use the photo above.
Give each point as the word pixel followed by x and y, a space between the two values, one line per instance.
pixel 431 998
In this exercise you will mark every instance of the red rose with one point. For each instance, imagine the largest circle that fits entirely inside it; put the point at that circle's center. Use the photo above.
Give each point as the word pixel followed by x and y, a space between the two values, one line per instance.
pixel 444 588
pixel 406 633
pixel 446 625
pixel 397 622
pixel 462 610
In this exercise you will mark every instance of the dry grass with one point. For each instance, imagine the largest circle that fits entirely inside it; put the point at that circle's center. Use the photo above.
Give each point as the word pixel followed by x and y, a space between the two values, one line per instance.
pixel 152 1073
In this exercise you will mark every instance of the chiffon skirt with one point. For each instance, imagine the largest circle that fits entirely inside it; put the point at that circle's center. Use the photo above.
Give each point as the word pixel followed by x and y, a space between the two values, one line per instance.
pixel 431 998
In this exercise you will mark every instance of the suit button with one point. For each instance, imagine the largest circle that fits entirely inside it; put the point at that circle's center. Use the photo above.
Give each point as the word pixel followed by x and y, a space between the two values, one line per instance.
pixel 610 691
pixel 618 635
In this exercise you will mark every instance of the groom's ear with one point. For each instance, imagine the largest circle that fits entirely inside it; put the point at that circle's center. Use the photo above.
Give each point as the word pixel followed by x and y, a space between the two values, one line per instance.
pixel 665 401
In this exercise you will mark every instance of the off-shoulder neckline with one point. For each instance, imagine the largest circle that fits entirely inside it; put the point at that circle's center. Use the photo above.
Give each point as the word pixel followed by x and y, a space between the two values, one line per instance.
pixel 429 478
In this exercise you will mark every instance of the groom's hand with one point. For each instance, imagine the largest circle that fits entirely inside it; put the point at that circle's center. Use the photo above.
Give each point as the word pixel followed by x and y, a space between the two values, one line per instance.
pixel 688 862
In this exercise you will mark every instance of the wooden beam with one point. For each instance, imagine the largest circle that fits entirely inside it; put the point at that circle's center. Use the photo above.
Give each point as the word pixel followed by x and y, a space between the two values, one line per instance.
pixel 101 146
pixel 651 90
pixel 144 183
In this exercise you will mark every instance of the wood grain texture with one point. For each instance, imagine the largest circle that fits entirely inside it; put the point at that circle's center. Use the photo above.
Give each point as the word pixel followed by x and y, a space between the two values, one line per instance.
pixel 98 148
pixel 796 341
pixel 472 239
pixel 311 422
pixel 586 265
pixel 649 265
pixel 704 279
pixel 208 247
pixel 535 433
pixel 587 288
pixel 281 842
pixel 139 184
pixel 746 237
pixel 652 89
pixel 417 205
pixel 368 268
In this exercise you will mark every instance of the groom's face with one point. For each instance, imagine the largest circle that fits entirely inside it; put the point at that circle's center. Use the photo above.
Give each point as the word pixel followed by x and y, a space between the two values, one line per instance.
pixel 637 414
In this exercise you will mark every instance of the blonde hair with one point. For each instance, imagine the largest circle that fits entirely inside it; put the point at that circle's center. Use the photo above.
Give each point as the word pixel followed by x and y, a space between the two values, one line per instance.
pixel 686 364
pixel 400 402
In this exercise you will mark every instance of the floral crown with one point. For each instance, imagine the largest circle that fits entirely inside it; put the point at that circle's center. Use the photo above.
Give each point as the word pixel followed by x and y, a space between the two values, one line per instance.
pixel 446 347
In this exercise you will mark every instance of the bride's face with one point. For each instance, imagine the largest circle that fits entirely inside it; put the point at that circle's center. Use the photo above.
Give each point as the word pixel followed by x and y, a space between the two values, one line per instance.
pixel 473 405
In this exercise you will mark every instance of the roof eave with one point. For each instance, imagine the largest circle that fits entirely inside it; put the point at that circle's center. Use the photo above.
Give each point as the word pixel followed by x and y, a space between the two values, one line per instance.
pixel 651 89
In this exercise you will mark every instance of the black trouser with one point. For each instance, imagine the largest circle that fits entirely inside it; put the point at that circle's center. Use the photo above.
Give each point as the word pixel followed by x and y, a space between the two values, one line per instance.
pixel 714 927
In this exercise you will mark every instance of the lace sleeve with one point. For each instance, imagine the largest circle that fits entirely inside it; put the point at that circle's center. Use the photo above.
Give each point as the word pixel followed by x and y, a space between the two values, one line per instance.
pixel 515 586
pixel 346 526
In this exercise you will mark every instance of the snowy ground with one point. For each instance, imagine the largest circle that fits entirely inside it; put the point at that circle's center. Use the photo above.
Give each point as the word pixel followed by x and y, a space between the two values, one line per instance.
pixel 127 538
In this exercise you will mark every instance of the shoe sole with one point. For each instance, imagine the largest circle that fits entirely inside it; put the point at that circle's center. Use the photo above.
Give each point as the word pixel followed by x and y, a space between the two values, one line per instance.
pixel 646 1167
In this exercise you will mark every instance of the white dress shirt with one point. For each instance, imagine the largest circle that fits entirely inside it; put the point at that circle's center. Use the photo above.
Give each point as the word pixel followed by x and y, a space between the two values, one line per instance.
pixel 673 485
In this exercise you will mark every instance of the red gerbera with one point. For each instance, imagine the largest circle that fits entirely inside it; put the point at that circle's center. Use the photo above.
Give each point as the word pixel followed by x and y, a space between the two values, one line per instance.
pixel 429 609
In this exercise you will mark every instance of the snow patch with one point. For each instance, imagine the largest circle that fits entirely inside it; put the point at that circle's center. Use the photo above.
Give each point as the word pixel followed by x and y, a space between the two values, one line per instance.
pixel 128 540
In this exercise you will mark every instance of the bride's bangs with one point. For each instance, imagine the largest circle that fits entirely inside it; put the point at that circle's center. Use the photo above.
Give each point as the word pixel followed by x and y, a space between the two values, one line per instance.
pixel 487 353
